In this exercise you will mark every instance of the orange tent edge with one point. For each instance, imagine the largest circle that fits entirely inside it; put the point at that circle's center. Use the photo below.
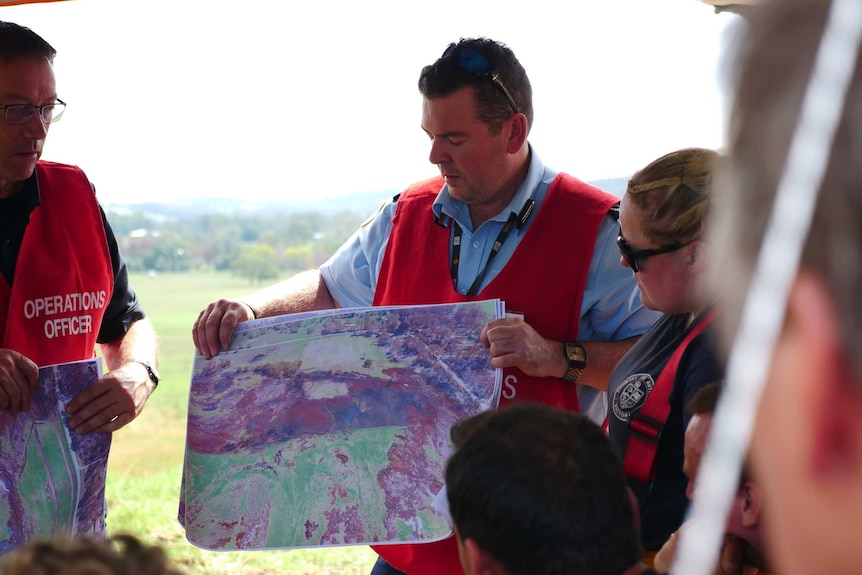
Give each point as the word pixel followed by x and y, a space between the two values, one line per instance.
pixel 17 2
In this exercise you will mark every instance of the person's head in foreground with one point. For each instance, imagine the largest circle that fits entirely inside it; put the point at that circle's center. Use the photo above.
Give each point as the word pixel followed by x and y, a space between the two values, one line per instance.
pixel 62 555
pixel 745 520
pixel 534 490
pixel 663 216
pixel 744 528
pixel 806 449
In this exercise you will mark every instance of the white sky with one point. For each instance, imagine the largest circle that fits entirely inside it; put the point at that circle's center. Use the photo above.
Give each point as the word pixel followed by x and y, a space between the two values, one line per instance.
pixel 273 99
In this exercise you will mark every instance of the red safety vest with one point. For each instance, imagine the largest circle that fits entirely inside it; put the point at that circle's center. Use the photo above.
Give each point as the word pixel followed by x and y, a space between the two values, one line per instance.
pixel 543 280
pixel 647 424
pixel 63 278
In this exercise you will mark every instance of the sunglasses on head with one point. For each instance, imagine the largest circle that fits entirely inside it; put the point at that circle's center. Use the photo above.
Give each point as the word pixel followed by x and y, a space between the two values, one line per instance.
pixel 635 258
pixel 471 60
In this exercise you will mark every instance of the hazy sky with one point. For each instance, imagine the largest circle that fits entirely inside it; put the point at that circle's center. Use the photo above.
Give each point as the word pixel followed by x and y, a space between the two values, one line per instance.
pixel 273 99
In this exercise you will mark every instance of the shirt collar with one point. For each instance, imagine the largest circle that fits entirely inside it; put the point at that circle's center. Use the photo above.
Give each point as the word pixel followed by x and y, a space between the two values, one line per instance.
pixel 446 205
pixel 27 198
pixel 31 189
pixel 15 211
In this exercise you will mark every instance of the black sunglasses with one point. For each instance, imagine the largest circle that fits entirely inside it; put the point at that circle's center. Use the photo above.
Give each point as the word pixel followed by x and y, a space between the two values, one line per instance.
pixel 471 60
pixel 635 258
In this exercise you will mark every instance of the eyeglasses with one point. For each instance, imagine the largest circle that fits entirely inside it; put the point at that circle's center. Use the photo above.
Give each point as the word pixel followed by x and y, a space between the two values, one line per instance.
pixel 635 258
pixel 20 114
pixel 473 61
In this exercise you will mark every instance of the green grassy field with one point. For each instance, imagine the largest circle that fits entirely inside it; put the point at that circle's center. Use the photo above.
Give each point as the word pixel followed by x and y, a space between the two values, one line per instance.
pixel 145 465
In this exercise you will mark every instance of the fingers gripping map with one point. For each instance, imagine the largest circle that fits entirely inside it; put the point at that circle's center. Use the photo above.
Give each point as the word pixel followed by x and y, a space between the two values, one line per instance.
pixel 331 428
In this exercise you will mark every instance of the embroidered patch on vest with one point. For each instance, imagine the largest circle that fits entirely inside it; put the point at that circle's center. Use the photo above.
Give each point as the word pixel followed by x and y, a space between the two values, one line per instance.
pixel 631 395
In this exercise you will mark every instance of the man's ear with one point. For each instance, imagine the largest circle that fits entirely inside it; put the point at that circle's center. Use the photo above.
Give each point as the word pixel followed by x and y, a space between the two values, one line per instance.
pixel 832 394
pixel 750 505
pixel 478 561
pixel 518 133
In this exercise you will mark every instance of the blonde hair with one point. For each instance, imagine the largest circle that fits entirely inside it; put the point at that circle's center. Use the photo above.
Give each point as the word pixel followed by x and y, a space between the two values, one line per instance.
pixel 673 194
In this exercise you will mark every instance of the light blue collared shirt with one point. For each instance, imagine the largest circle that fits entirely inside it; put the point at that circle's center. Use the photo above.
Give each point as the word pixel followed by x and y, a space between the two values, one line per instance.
pixel 611 307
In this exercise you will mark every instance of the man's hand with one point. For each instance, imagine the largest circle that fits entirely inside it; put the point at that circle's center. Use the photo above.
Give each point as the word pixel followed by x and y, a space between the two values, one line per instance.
pixel 18 379
pixel 213 329
pixel 514 343
pixel 111 402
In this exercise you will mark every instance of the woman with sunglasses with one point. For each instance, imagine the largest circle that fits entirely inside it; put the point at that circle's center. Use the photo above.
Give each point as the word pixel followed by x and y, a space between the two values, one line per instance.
pixel 662 224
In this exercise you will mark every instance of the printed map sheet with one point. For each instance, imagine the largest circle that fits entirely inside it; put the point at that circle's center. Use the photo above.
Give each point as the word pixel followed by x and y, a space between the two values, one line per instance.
pixel 52 479
pixel 331 428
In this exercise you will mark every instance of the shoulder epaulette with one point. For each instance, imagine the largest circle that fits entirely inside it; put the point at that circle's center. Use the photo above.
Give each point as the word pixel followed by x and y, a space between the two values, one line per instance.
pixel 615 211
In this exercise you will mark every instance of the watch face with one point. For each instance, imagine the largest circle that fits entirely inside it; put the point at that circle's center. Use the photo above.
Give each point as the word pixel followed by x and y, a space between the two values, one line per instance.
pixel 576 353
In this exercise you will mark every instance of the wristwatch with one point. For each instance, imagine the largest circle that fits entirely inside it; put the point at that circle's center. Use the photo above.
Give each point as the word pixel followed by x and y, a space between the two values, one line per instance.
pixel 576 355
pixel 151 371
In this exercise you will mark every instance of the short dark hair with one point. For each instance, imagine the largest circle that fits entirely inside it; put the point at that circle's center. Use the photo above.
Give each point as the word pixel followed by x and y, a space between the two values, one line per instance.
pixel 17 42
pixel 705 399
pixel 445 77
pixel 543 491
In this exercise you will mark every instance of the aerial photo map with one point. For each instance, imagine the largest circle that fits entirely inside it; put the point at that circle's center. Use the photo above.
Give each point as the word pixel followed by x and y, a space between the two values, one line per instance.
pixel 52 479
pixel 331 428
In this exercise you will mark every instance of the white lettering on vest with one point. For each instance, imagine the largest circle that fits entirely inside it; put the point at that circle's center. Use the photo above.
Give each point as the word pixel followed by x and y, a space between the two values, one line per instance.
pixel 64 303
pixel 509 391
pixel 64 326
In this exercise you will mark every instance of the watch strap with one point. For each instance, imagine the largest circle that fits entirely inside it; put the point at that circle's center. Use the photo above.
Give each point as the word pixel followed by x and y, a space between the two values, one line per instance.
pixel 575 368
pixel 151 372
pixel 572 374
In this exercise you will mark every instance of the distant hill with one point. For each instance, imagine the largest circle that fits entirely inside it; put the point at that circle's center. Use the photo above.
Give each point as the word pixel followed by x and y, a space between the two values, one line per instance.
pixel 363 204
pixel 615 186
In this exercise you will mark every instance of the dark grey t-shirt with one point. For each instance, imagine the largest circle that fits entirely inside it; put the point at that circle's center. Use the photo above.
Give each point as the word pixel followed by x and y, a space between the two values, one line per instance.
pixel 663 503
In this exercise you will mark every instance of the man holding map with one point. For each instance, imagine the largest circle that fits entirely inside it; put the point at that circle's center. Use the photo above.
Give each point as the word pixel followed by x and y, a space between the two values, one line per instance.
pixel 63 284
pixel 497 223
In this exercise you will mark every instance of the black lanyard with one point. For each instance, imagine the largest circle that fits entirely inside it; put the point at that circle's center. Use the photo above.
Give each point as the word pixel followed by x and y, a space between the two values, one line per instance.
pixel 516 220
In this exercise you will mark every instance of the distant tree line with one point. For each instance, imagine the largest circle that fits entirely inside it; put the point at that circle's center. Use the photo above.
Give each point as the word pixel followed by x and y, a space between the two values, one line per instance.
pixel 261 244
pixel 256 245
